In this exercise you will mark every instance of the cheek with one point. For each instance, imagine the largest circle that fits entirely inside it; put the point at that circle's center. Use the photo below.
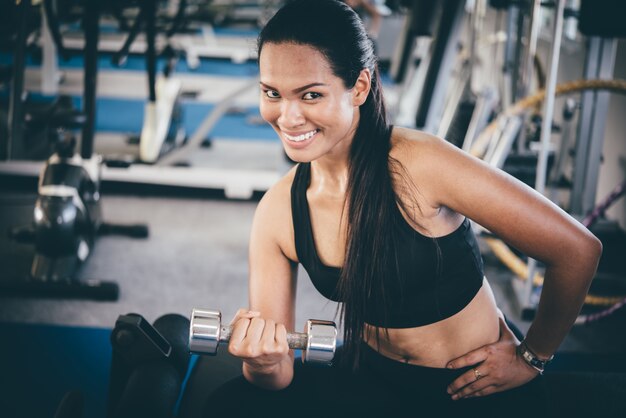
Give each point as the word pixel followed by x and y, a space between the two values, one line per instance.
pixel 268 111
pixel 341 111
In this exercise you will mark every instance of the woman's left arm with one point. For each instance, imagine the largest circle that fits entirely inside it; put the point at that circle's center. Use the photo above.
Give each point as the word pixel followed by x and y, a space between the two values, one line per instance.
pixel 528 221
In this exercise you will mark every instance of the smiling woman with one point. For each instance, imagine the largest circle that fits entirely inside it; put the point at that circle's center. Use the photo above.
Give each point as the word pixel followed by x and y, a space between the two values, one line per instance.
pixel 380 219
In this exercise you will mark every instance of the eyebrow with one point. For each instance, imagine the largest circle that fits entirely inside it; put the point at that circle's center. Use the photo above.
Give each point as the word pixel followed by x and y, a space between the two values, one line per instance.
pixel 296 90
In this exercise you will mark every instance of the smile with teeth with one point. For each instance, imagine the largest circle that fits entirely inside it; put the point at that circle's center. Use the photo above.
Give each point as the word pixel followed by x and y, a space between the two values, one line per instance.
pixel 302 137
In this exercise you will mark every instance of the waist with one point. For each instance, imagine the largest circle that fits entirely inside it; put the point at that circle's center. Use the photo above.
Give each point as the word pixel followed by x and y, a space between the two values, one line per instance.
pixel 434 345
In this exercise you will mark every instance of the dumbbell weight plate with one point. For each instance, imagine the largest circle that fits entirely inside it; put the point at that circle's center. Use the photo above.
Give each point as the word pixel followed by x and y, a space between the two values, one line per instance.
pixel 322 341
pixel 204 331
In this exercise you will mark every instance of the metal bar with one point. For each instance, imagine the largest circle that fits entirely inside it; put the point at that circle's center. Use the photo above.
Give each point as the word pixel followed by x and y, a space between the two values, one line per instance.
pixel 531 50
pixel 569 110
pixel 596 143
pixel 151 55
pixel 509 54
pixel 519 45
pixel 511 18
pixel 500 153
pixel 49 66
pixel 403 53
pixel 413 85
pixel 600 63
pixel 584 127
pixel 455 96
pixel 92 31
pixel 485 104
pixel 546 125
pixel 443 51
pixel 15 142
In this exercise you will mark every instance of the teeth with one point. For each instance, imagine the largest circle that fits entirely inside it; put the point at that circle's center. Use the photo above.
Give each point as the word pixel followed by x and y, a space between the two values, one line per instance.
pixel 302 137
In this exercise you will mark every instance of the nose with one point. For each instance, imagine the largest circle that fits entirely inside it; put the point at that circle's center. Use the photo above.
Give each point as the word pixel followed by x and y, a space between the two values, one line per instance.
pixel 290 114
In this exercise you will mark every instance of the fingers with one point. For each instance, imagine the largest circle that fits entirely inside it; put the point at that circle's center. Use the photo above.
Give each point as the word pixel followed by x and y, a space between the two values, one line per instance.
pixel 281 334
pixel 255 332
pixel 474 382
pixel 491 368
pixel 473 357
pixel 240 324
pixel 244 313
pixel 475 391
pixel 253 337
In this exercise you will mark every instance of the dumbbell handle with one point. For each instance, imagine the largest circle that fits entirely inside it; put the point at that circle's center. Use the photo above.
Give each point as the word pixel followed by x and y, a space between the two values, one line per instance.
pixel 296 340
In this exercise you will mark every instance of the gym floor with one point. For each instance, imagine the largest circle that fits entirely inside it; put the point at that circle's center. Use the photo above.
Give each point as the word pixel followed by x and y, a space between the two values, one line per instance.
pixel 196 254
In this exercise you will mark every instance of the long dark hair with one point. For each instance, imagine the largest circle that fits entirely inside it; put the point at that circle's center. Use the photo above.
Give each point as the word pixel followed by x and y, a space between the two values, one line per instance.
pixel 335 30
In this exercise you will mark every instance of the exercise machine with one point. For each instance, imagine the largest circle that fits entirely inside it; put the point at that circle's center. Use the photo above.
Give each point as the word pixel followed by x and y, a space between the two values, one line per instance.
pixel 148 366
pixel 162 125
pixel 28 124
pixel 67 216
pixel 67 221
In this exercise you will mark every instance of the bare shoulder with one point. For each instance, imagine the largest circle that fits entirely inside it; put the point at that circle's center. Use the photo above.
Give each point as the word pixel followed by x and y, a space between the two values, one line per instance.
pixel 279 194
pixel 423 157
pixel 273 215
pixel 418 150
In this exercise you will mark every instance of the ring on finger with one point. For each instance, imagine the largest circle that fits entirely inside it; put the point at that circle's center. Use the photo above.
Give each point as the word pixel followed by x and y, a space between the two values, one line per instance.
pixel 477 374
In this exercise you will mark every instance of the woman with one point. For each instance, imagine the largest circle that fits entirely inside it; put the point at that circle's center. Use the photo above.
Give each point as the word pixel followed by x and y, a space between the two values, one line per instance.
pixel 378 216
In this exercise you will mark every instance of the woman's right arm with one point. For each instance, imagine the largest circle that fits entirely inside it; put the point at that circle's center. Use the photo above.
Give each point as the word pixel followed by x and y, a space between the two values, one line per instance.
pixel 260 334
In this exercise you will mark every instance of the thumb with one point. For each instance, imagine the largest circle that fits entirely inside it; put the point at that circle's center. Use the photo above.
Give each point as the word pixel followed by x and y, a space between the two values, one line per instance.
pixel 505 332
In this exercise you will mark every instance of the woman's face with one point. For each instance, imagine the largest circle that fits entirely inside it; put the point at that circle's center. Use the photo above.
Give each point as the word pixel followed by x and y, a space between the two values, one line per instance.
pixel 312 111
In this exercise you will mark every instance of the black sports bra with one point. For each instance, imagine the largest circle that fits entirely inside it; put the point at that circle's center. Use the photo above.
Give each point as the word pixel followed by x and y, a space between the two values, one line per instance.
pixel 438 276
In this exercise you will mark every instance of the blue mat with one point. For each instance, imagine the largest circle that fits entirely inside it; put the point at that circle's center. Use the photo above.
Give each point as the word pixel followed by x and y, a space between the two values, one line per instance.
pixel 126 116
pixel 138 63
pixel 40 363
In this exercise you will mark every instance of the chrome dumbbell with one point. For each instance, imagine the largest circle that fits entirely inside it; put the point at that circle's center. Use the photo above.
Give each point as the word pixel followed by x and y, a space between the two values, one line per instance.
pixel 318 342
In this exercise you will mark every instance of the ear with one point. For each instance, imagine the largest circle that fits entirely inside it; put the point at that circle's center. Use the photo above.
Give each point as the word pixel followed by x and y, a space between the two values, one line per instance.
pixel 361 88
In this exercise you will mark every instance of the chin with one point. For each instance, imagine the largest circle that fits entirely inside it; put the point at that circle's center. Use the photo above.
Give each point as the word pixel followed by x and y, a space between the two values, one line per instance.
pixel 296 157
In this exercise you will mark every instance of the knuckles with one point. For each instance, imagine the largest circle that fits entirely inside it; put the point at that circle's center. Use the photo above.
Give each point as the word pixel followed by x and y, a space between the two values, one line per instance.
pixel 266 346
pixel 257 322
pixel 497 374
pixel 234 349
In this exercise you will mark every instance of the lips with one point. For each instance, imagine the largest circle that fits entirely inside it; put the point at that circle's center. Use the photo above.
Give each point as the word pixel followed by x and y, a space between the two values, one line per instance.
pixel 301 137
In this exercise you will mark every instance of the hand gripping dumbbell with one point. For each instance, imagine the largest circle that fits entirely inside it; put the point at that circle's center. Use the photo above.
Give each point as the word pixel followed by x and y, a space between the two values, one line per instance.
pixel 318 342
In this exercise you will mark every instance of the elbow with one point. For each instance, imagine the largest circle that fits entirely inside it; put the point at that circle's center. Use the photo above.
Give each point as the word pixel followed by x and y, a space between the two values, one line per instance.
pixel 588 254
pixel 595 249
pixel 580 253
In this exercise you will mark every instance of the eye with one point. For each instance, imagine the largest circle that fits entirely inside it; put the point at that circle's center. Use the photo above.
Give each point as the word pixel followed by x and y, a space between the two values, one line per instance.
pixel 311 96
pixel 271 94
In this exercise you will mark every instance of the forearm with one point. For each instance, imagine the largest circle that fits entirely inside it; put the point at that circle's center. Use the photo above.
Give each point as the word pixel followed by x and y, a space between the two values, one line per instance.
pixel 276 377
pixel 562 297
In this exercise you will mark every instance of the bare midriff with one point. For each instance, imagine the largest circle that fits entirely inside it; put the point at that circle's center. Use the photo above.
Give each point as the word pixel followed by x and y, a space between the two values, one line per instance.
pixel 436 344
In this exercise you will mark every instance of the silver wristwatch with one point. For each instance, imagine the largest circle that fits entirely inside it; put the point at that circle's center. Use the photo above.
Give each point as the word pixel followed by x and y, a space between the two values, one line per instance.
pixel 531 358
